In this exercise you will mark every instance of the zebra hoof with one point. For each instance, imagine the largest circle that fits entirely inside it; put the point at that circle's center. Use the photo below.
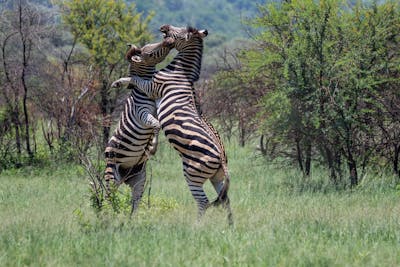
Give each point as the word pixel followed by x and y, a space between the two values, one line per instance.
pixel 152 151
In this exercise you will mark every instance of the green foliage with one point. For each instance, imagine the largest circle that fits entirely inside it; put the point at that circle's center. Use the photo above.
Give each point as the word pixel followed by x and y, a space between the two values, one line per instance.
pixel 104 27
pixel 331 77
pixel 276 107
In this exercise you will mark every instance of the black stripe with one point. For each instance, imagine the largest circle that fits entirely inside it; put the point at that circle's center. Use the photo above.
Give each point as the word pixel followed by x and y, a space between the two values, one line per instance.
pixel 193 148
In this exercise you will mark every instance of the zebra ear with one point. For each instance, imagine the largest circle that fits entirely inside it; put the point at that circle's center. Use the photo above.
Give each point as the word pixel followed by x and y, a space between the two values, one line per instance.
pixel 136 59
pixel 132 46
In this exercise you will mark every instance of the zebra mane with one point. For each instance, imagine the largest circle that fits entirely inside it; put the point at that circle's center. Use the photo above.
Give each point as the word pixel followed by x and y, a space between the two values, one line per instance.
pixel 191 29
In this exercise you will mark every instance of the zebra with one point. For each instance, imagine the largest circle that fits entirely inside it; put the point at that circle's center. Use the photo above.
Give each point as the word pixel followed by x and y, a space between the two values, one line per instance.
pixel 197 142
pixel 135 138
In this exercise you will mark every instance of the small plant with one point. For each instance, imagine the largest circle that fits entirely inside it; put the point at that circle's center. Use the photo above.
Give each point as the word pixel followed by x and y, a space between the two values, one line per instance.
pixel 159 204
pixel 97 188
pixel 82 220
pixel 398 189
pixel 118 200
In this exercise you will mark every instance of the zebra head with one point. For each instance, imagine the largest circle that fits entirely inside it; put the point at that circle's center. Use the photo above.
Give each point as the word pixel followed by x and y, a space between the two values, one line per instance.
pixel 182 36
pixel 132 52
pixel 150 54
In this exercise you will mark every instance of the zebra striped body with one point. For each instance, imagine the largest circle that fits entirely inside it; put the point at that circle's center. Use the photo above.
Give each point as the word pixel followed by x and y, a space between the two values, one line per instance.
pixel 135 136
pixel 197 142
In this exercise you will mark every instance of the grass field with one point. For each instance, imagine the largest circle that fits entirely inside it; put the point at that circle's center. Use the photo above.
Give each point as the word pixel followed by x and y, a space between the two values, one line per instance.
pixel 280 220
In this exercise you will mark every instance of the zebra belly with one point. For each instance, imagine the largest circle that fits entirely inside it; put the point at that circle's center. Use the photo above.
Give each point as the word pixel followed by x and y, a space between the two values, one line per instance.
pixel 126 153
pixel 128 162
pixel 186 133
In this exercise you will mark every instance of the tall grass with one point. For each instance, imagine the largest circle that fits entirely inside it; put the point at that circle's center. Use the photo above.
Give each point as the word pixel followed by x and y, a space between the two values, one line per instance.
pixel 280 220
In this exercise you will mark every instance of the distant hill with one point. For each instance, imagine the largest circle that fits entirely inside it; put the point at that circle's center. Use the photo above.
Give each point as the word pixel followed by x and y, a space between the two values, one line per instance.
pixel 220 17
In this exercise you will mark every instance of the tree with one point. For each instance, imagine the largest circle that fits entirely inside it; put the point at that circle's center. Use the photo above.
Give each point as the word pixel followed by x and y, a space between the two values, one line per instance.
pixel 104 27
pixel 233 95
pixel 332 70
pixel 23 27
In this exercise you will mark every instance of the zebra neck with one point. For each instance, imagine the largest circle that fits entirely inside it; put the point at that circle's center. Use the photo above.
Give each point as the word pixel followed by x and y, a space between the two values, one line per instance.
pixel 187 62
pixel 145 72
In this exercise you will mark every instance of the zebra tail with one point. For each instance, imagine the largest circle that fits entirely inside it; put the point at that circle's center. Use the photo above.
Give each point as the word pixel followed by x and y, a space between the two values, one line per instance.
pixel 223 194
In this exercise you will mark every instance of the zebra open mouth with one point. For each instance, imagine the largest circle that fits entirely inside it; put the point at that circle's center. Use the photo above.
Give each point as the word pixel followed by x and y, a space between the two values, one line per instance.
pixel 164 29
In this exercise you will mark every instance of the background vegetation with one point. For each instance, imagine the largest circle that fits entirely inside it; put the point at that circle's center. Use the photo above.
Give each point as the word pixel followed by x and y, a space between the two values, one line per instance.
pixel 320 85
pixel 317 81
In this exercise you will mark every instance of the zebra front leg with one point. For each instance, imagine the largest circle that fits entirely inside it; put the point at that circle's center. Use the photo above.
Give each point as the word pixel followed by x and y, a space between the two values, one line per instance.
pixel 120 82
pixel 150 121
pixel 154 141
pixel 157 127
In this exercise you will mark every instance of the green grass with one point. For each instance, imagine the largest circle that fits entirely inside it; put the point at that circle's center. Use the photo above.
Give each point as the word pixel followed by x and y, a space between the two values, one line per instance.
pixel 46 220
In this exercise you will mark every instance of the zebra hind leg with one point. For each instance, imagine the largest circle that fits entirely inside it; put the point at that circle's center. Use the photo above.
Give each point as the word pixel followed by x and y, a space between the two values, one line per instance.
pixel 111 175
pixel 136 182
pixel 199 195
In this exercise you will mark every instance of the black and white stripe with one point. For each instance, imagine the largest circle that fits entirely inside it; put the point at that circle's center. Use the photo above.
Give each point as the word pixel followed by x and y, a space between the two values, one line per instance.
pixel 197 142
pixel 135 137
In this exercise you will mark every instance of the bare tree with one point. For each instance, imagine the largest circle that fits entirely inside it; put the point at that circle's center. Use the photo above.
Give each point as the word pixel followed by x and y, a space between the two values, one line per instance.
pixel 22 29
pixel 232 96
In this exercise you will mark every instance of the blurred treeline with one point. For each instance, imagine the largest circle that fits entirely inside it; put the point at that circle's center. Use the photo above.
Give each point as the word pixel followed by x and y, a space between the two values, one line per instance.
pixel 320 84
pixel 316 82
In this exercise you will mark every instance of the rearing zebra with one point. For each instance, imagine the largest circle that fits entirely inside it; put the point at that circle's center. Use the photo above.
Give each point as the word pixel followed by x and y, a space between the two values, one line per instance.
pixel 197 142
pixel 135 137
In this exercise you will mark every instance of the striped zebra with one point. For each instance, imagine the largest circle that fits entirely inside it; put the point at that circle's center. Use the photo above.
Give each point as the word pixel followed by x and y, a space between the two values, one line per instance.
pixel 197 142
pixel 135 137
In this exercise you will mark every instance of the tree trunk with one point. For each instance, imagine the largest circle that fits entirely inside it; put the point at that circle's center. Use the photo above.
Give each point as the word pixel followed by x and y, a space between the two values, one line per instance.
pixel 17 133
pixel 242 134
pixel 105 109
pixel 353 172
pixel 329 161
pixel 263 147
pixel 26 121
pixel 25 55
pixel 396 159
pixel 308 159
